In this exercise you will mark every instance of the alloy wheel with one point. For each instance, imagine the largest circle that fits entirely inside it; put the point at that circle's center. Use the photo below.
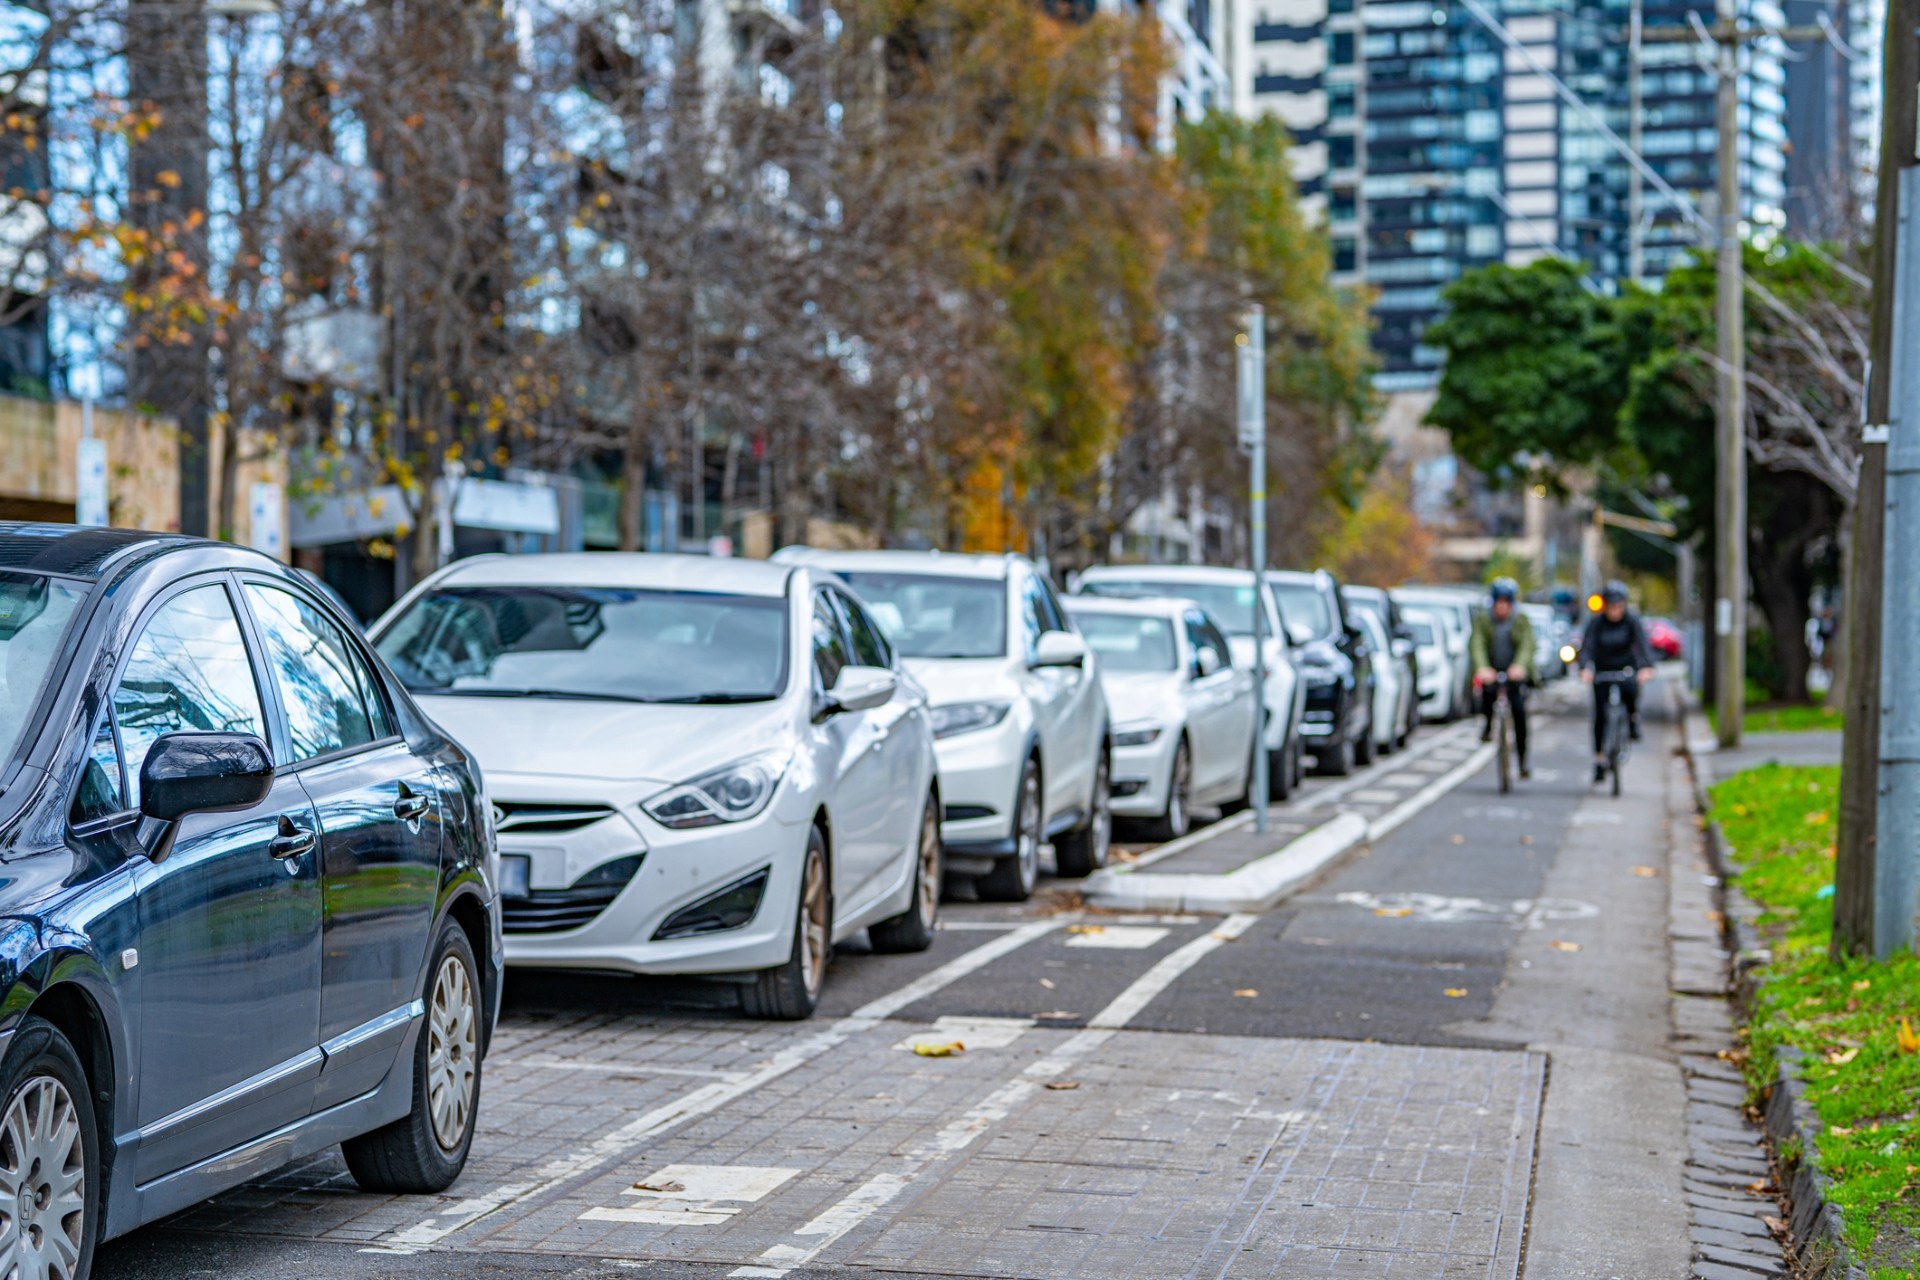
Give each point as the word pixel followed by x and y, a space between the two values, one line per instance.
pixel 928 898
pixel 815 923
pixel 1100 822
pixel 453 1052
pixel 1177 792
pixel 1029 836
pixel 43 1184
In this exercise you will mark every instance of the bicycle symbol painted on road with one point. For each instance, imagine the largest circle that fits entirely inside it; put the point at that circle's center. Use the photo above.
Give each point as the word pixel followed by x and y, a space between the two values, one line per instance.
pixel 1524 913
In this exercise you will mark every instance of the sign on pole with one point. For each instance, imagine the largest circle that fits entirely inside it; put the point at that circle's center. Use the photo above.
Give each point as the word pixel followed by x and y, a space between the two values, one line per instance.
pixel 1253 393
pixel 90 484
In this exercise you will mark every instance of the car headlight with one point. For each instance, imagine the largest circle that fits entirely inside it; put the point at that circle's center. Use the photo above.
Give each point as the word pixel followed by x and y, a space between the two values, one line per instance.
pixel 1136 735
pixel 967 717
pixel 1568 653
pixel 732 793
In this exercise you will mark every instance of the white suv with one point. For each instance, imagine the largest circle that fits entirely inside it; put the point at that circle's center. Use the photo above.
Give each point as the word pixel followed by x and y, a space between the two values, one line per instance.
pixel 1019 718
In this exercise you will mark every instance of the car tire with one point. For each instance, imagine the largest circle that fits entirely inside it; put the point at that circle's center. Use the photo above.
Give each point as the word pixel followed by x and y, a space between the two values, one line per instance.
pixel 1177 819
pixel 425 1150
pixel 1280 768
pixel 1086 849
pixel 1338 762
pixel 1299 762
pixel 1013 878
pixel 790 991
pixel 913 929
pixel 42 1081
pixel 1363 746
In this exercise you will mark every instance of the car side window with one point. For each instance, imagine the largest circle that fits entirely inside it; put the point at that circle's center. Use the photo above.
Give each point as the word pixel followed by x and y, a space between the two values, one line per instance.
pixel 1052 616
pixel 1201 642
pixel 1030 611
pixel 102 791
pixel 830 654
pixel 324 684
pixel 189 671
pixel 870 648
pixel 1218 639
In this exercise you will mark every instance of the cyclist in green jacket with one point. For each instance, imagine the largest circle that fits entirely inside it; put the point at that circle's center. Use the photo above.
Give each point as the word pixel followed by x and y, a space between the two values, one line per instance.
pixel 1502 642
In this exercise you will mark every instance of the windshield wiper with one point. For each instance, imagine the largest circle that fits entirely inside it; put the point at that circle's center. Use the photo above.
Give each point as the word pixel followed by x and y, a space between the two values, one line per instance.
pixel 713 699
pixel 571 695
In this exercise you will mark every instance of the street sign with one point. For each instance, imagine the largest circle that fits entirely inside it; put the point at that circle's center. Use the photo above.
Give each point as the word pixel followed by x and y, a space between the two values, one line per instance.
pixel 266 519
pixel 90 483
pixel 1253 393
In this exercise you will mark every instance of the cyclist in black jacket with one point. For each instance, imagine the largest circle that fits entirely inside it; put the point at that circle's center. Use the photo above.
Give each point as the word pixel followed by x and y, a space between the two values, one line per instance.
pixel 1615 641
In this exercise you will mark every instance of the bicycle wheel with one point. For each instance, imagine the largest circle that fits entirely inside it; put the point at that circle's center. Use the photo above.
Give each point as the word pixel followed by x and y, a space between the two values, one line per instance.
pixel 1615 733
pixel 1503 748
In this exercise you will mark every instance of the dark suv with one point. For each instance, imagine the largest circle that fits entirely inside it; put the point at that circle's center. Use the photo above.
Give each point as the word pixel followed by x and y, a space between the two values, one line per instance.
pixel 246 890
pixel 1336 665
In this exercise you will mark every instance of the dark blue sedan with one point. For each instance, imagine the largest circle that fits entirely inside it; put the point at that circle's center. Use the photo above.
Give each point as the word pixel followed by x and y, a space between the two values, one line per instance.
pixel 246 896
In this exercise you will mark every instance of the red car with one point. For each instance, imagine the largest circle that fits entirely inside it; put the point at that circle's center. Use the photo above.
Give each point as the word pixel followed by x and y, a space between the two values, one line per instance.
pixel 1665 638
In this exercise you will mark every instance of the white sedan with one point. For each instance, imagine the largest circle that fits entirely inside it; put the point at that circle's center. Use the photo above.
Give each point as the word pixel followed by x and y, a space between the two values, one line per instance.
pixel 1395 702
pixel 1182 712
pixel 697 766
pixel 1435 666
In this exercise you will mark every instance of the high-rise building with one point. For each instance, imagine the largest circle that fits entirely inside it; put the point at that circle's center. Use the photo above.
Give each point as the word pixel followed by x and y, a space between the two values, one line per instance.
pixel 1277 62
pixel 1451 145
pixel 26 357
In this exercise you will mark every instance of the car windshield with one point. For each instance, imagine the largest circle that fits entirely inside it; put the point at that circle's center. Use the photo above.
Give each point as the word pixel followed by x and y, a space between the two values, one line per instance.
pixel 1305 608
pixel 929 616
pixel 620 644
pixel 1370 604
pixel 1230 605
pixel 34 612
pixel 1127 642
pixel 1422 631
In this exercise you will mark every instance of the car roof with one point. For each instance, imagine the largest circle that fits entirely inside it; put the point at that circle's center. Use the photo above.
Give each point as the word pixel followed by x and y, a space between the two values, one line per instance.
pixel 1365 592
pixel 942 564
pixel 1311 577
pixel 72 551
pixel 1132 606
pixel 1166 573
pixel 718 574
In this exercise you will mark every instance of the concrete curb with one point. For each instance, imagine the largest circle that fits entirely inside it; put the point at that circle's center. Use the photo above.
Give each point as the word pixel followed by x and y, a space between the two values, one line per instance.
pixel 1815 1224
pixel 1254 887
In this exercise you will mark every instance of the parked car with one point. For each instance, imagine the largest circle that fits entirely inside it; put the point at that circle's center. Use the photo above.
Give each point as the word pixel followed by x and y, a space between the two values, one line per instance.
pixel 1336 663
pixel 1453 607
pixel 700 766
pixel 1546 640
pixel 1435 668
pixel 1393 647
pixel 1395 707
pixel 1017 709
pixel 1182 711
pixel 1665 639
pixel 1227 596
pixel 248 895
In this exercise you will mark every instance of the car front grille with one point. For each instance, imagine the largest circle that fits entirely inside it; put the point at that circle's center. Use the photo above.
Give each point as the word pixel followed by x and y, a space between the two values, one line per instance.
pixel 547 819
pixel 579 905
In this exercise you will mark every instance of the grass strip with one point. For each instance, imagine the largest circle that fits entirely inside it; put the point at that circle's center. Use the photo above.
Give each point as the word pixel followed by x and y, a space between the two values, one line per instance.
pixel 1844 1015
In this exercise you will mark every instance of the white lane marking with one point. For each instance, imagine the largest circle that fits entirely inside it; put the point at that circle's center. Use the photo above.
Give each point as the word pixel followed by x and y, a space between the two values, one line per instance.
pixel 708 1098
pixel 613 1068
pixel 959 1133
pixel 694 1195
pixel 1117 937
pixel 974 1033
pixel 1525 913
pixel 976 926
pixel 1390 821
pixel 1419 751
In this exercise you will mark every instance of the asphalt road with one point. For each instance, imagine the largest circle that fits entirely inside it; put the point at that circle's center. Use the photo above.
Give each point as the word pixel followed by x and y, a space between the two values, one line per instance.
pixel 1380 1076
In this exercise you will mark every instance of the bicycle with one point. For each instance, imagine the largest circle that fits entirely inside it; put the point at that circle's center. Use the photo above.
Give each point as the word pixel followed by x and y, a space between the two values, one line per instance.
pixel 1503 731
pixel 1613 737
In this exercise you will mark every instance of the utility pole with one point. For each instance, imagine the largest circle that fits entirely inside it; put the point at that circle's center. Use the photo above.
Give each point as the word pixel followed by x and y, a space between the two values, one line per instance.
pixel 1730 35
pixel 1252 365
pixel 1861 876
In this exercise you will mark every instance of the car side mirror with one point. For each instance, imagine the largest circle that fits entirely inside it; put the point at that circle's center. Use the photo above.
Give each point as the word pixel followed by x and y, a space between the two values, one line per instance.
pixel 186 773
pixel 1060 649
pixel 1206 662
pixel 1356 637
pixel 861 689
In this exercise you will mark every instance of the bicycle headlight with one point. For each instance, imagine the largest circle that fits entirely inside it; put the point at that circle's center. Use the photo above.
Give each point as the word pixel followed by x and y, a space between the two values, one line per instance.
pixel 732 793
pixel 1568 653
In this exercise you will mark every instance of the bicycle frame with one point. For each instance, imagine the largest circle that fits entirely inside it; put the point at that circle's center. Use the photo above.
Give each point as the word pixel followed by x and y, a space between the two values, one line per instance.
pixel 1614 734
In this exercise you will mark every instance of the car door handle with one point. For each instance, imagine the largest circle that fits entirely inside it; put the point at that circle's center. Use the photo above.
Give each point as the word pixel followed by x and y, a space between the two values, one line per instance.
pixel 410 806
pixel 292 841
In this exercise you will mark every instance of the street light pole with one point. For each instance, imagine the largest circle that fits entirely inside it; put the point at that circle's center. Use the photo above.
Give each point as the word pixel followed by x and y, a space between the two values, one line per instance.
pixel 1730 486
pixel 1252 365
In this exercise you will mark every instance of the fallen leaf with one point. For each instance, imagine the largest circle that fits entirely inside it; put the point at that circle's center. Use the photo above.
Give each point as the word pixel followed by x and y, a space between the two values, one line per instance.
pixel 1761 1188
pixel 665 1187
pixel 1905 1040
pixel 1226 937
pixel 1565 946
pixel 1777 1226
pixel 1048 983
pixel 1246 993
pixel 1459 839
pixel 1840 1131
pixel 1393 913
pixel 946 1050
pixel 1646 872
pixel 1125 855
pixel 1454 993
pixel 1526 839
pixel 1740 811
pixel 1062 1085
pixel 1841 1057
pixel 1086 928
pixel 1818 818
pixel 1863 984
pixel 1058 1015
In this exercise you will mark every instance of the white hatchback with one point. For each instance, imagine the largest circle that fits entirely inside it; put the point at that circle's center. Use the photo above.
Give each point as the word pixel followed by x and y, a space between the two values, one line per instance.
pixel 1017 708
pixel 1182 711
pixel 697 766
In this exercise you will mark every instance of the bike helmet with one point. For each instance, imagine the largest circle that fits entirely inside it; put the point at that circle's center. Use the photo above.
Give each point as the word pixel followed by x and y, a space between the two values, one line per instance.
pixel 1504 589
pixel 1615 592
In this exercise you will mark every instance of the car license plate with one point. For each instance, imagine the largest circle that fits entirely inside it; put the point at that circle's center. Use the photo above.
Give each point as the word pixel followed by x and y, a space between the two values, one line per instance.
pixel 516 871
